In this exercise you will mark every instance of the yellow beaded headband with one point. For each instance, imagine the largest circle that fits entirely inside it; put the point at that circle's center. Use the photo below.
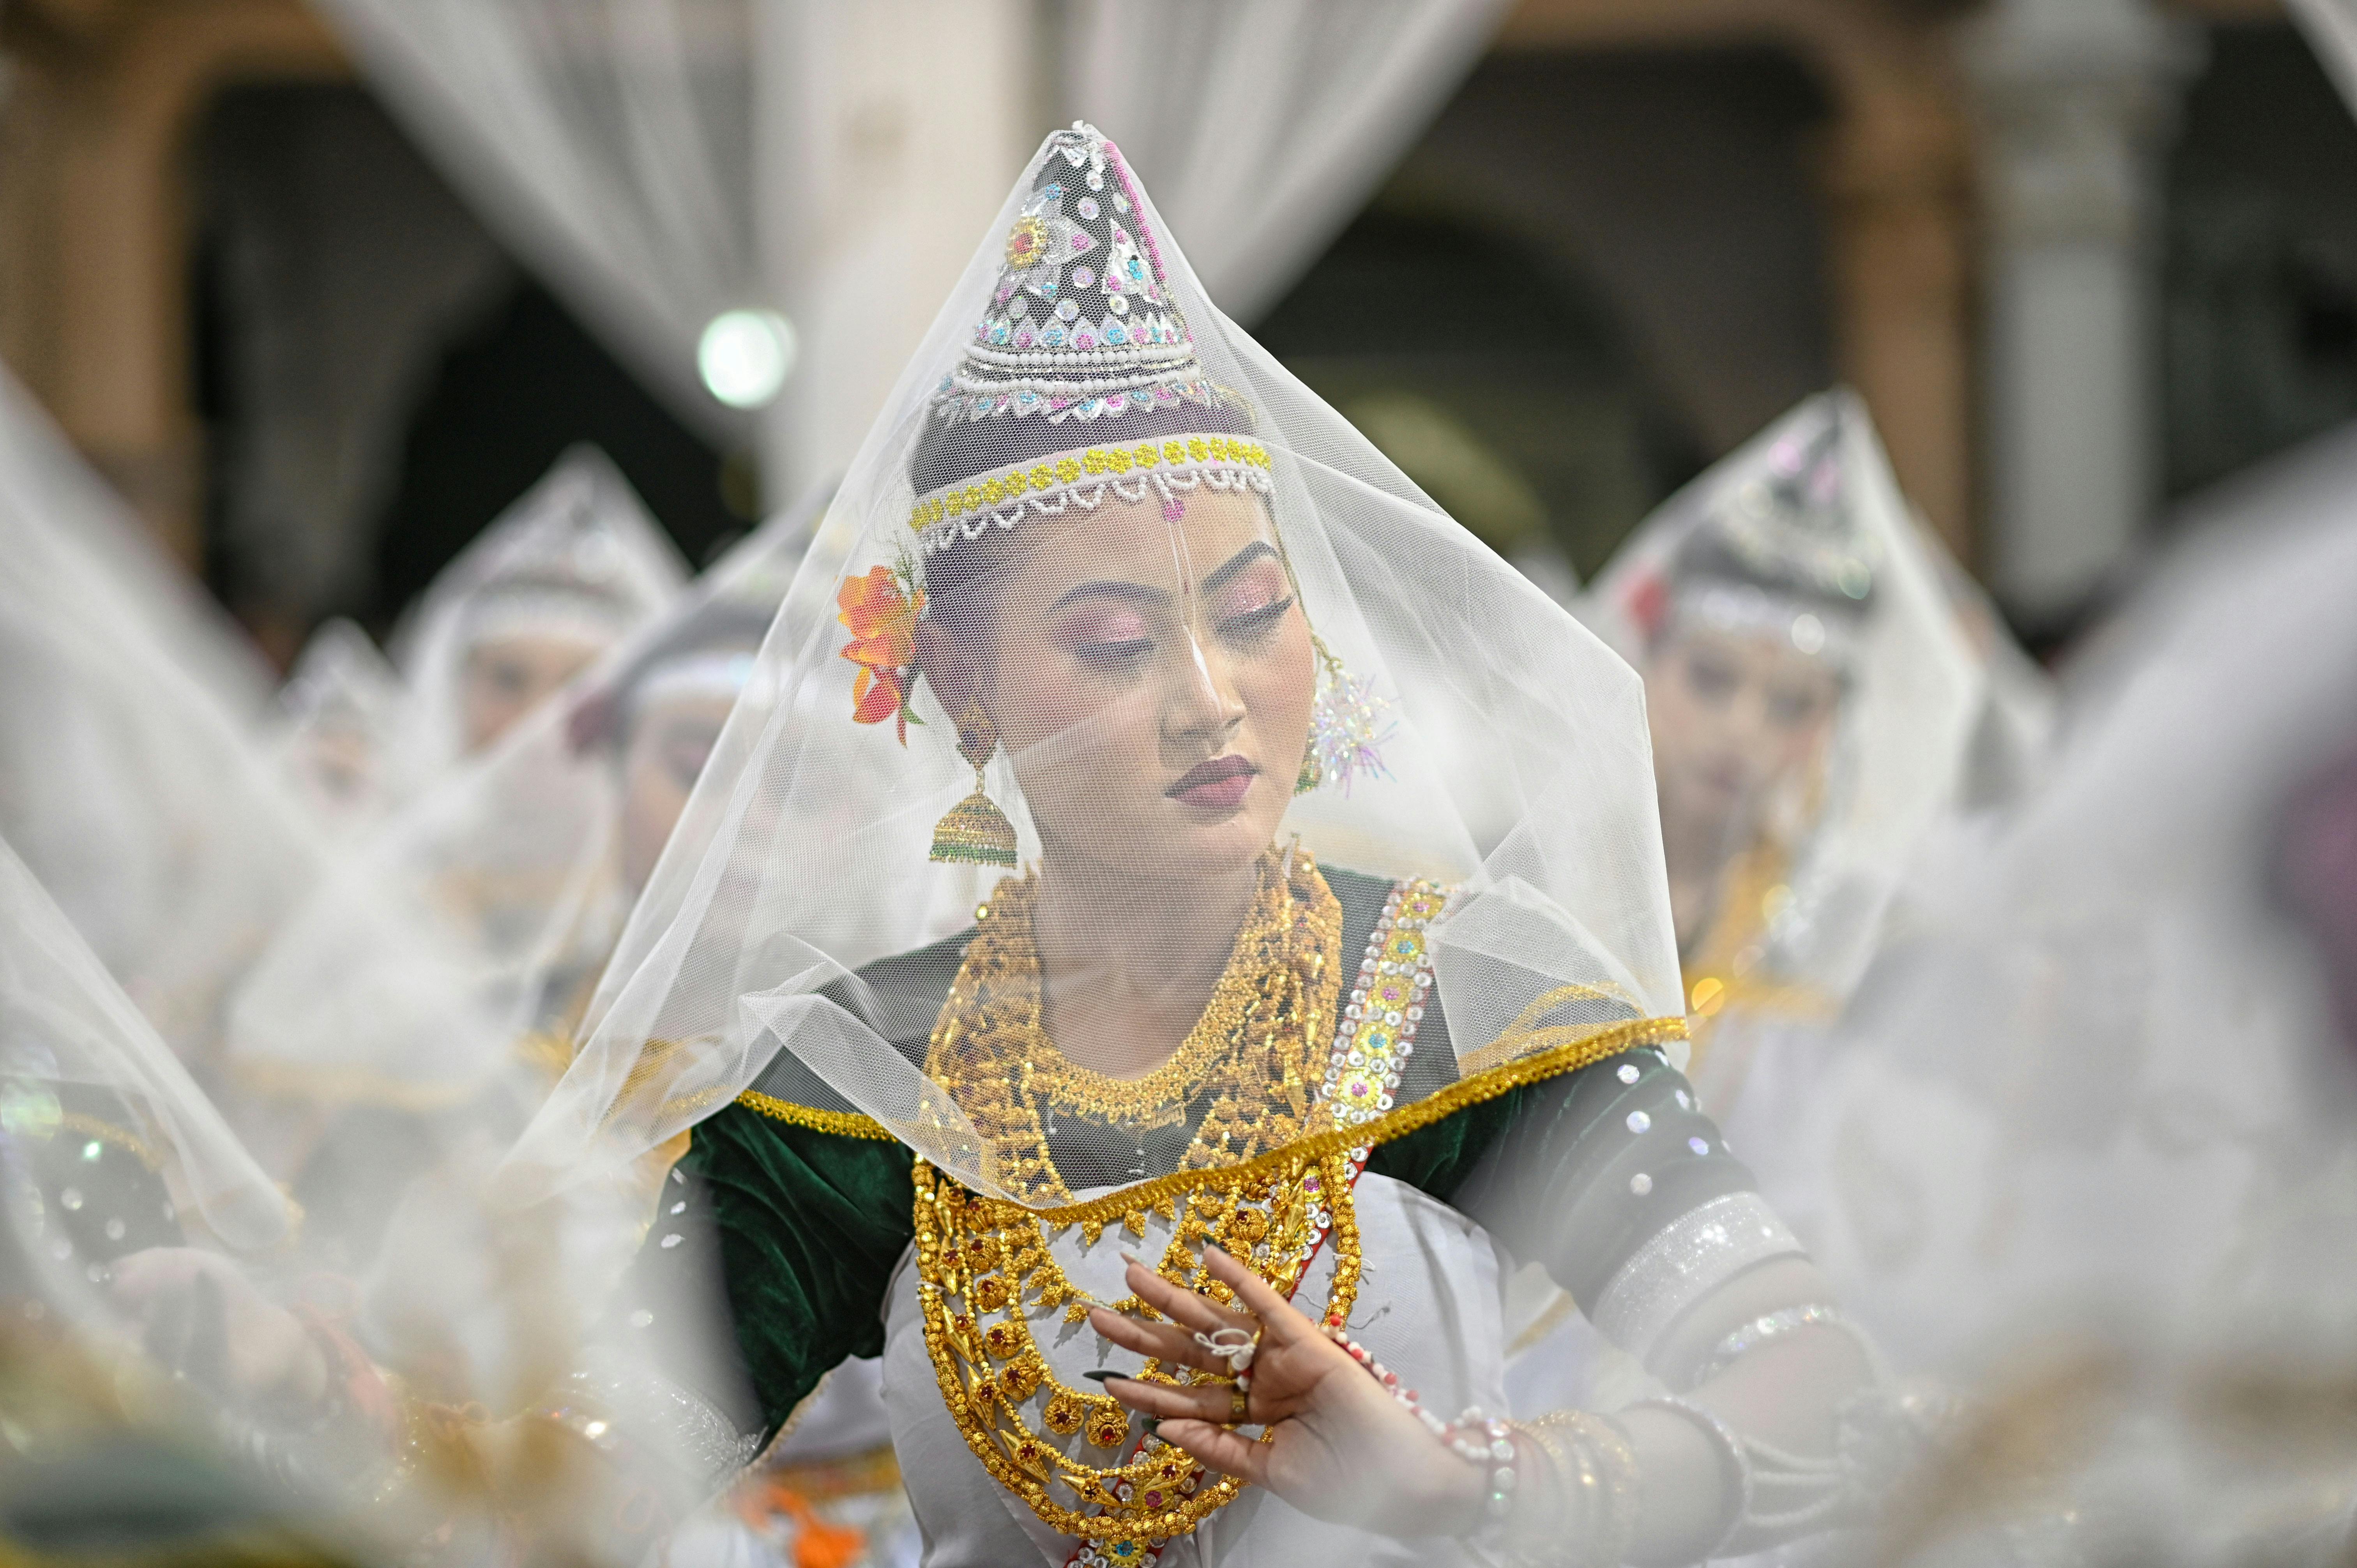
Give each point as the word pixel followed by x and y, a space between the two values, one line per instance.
pixel 1085 477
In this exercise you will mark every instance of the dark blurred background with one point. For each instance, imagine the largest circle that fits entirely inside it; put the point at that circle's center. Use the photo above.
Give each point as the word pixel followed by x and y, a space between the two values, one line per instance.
pixel 1635 234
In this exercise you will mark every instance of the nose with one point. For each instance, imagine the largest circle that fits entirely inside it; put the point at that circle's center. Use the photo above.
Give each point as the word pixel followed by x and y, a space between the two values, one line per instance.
pixel 1202 705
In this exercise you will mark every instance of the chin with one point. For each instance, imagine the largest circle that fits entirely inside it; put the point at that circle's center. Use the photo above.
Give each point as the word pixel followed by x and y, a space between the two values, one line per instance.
pixel 1198 841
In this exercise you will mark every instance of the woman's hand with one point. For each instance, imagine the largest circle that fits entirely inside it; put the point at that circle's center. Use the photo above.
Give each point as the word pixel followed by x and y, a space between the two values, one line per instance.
pixel 203 1317
pixel 1340 1447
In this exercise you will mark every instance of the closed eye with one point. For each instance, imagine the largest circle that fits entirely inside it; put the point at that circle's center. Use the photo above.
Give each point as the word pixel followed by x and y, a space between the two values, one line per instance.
pixel 1113 657
pixel 1256 623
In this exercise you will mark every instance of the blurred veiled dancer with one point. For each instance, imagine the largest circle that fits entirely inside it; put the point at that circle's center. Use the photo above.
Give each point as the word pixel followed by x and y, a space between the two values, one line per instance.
pixel 1810 699
pixel 176 1383
pixel 337 731
pixel 425 991
pixel 563 576
pixel 132 781
pixel 2096 1144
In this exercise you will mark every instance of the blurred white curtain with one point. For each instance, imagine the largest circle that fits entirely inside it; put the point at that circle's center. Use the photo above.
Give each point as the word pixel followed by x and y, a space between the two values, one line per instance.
pixel 1262 127
pixel 660 161
pixel 609 142
pixel 2331 29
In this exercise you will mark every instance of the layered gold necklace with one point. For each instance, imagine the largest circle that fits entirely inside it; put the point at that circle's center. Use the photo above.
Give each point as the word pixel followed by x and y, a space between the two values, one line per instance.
pixel 1265 1063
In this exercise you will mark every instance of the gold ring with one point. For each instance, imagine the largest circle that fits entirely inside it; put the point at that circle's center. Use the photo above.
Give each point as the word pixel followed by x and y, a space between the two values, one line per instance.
pixel 1238 1399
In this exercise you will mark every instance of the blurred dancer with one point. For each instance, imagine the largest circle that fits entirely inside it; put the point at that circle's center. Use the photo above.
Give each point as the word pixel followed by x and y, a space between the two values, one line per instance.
pixel 131 779
pixel 558 579
pixel 337 731
pixel 2095 1148
pixel 423 995
pixel 173 1383
pixel 1811 702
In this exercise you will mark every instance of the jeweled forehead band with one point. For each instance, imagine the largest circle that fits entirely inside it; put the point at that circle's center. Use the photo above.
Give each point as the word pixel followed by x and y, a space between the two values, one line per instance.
pixel 1085 477
pixel 1745 609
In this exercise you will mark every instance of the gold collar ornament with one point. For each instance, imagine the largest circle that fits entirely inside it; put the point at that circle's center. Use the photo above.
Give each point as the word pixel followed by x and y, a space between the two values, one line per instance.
pixel 1276 1059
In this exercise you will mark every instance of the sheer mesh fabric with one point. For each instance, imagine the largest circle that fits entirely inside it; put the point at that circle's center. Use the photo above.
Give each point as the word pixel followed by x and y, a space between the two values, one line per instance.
pixel 1845 824
pixel 1125 543
pixel 576 559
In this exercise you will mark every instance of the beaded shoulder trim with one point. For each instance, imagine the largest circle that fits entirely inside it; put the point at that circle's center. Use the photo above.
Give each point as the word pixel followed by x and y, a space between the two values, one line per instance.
pixel 1579 1049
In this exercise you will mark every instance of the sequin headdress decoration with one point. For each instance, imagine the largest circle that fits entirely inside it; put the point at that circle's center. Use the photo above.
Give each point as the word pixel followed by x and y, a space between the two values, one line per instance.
pixel 1079 385
pixel 1781 552
pixel 1081 380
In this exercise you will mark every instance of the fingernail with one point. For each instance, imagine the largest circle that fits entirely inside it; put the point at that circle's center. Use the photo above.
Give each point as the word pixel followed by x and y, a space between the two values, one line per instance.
pixel 1129 1257
pixel 1101 1377
pixel 1152 1425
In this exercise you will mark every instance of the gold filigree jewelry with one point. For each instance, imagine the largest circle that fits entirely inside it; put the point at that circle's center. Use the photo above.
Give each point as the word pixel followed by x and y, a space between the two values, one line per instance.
pixel 975 831
pixel 1312 774
pixel 1157 1493
pixel 1254 1055
pixel 1238 1402
pixel 1271 1016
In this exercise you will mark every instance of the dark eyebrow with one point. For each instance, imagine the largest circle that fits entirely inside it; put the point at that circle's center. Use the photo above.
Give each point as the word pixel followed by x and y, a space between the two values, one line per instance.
pixel 1137 593
pixel 1237 563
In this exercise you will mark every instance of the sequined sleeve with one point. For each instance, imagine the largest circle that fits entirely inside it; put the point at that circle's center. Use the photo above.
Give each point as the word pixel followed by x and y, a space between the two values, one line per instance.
pixel 1613 1179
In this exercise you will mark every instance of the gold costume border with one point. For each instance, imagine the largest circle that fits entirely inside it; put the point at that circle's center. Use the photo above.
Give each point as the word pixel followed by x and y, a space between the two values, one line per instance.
pixel 1573 1049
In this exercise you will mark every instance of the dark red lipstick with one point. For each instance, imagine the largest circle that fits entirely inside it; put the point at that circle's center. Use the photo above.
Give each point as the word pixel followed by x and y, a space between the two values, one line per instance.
pixel 1218 785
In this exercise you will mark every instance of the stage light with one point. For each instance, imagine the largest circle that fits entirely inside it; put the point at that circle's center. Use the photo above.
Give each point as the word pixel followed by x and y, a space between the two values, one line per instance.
pixel 745 356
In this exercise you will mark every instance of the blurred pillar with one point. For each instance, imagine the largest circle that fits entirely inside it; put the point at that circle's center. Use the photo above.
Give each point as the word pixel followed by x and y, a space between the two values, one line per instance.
pixel 1897 184
pixel 2075 101
pixel 119 87
pixel 878 166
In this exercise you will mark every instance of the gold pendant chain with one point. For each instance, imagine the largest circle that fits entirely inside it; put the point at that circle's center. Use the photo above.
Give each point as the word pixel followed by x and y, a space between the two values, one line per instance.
pixel 1249 1053
pixel 1276 1063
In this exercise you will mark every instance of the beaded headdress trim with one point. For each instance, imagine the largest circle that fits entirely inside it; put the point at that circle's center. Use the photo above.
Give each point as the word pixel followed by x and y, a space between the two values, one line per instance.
pixel 1083 478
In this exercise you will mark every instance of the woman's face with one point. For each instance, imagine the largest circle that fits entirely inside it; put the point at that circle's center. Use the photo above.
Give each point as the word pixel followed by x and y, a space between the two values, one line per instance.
pixel 504 677
pixel 1734 716
pixel 667 744
pixel 1151 679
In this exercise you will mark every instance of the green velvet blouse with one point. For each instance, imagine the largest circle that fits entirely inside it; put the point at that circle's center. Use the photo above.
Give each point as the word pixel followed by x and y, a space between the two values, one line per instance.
pixel 777 1242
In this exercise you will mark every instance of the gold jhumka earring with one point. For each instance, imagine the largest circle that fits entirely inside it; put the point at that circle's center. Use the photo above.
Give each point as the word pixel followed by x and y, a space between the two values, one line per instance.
pixel 975 831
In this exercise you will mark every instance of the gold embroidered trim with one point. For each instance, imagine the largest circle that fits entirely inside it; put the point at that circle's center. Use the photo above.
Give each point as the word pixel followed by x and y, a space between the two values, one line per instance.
pixel 842 1124
pixel 986 491
pixel 1577 1049
pixel 106 1131
pixel 1569 1055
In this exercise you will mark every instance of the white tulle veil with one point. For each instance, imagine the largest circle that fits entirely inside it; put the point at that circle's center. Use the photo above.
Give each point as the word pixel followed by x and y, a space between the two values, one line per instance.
pixel 438 946
pixel 1080 351
pixel 131 779
pixel 1911 689
pixel 576 558
pixel 338 731
pixel 64 1022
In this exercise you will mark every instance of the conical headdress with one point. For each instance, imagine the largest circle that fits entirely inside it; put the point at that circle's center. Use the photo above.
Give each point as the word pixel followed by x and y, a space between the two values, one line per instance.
pixel 1081 379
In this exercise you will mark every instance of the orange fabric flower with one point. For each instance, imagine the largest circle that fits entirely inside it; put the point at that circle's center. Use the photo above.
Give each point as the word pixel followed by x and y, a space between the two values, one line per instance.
pixel 882 620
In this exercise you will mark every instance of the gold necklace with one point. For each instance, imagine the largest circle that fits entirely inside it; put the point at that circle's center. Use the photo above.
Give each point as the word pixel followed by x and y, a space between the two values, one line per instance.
pixel 1270 1013
pixel 1269 1056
